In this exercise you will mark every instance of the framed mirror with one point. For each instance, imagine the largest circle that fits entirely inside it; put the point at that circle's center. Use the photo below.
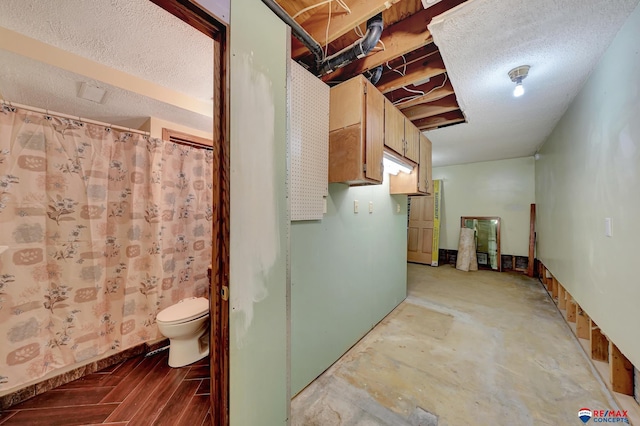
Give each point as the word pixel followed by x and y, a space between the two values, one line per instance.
pixel 487 236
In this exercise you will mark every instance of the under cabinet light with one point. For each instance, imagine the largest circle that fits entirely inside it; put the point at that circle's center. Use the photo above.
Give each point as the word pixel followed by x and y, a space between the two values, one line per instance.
pixel 394 165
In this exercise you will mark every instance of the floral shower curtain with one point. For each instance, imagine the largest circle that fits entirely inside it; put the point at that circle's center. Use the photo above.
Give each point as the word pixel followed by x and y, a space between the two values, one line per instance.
pixel 99 231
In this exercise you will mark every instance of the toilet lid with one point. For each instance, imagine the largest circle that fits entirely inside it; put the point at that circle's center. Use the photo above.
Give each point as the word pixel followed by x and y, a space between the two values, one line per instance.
pixel 184 310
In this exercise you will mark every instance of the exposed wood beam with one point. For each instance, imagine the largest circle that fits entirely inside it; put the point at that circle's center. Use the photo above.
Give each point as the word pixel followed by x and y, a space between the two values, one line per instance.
pixel 391 81
pixel 399 39
pixel 341 21
pixel 430 95
pixel 446 104
pixel 445 119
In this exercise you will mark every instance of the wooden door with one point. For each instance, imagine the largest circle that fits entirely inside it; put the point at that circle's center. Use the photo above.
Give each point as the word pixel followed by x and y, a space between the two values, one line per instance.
pixel 420 235
pixel 412 145
pixel 393 128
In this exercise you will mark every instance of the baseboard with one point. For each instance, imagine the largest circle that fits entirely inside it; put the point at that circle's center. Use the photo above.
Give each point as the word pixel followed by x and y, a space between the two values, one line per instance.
pixel 509 262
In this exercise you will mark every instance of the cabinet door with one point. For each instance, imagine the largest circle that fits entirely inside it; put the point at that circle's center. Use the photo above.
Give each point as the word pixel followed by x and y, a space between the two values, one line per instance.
pixel 346 104
pixel 424 170
pixel 412 146
pixel 393 127
pixel 374 140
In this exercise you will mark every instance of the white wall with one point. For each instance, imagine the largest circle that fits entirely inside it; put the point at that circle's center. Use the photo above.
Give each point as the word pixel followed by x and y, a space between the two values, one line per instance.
pixel 504 188
pixel 590 169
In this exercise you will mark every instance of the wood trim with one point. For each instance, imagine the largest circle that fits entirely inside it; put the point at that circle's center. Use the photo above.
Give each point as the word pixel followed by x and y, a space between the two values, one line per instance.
pixel 169 134
pixel 193 15
pixel 219 335
pixel 532 239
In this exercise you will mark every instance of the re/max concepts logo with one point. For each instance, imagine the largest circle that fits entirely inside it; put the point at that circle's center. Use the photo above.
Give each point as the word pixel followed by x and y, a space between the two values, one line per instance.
pixel 603 416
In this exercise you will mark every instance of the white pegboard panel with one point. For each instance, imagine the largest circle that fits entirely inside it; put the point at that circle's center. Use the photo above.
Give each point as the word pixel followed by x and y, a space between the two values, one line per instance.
pixel 309 144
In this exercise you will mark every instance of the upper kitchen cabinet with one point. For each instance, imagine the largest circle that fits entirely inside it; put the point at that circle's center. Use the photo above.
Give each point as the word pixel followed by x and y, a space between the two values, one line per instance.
pixel 400 135
pixel 425 183
pixel 393 128
pixel 356 133
pixel 418 182
pixel 412 141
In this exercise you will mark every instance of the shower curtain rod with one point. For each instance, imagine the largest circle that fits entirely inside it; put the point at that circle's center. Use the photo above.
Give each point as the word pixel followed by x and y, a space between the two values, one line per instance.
pixel 73 117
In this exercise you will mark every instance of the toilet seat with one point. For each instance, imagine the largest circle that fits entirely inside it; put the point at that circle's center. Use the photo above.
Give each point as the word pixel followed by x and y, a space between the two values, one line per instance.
pixel 185 310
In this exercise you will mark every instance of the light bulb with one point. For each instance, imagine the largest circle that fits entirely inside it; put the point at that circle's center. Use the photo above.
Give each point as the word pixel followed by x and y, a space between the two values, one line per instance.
pixel 519 90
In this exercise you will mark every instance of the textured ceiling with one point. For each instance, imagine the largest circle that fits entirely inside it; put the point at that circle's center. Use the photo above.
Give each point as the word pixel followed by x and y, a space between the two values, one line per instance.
pixel 133 36
pixel 34 83
pixel 482 40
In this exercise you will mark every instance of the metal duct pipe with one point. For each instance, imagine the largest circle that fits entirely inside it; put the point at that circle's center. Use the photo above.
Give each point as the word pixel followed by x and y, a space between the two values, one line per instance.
pixel 298 32
pixel 357 50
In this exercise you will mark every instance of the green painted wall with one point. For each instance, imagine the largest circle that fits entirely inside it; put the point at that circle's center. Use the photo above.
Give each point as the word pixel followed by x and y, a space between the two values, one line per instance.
pixel 347 272
pixel 259 218
pixel 504 188
pixel 589 169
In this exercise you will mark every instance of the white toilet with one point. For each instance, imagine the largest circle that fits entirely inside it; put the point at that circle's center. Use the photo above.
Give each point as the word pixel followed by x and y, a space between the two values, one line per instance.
pixel 185 324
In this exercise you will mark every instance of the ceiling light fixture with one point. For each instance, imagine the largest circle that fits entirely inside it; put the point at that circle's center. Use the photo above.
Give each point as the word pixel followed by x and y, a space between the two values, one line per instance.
pixel 517 75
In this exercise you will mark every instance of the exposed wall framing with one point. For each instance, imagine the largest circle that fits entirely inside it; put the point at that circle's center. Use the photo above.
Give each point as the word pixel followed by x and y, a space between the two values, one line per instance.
pixel 613 367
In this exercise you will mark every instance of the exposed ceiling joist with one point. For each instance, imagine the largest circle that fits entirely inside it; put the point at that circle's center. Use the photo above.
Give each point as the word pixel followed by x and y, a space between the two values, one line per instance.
pixel 420 71
pixel 341 21
pixel 445 119
pixel 441 106
pixel 430 95
pixel 414 76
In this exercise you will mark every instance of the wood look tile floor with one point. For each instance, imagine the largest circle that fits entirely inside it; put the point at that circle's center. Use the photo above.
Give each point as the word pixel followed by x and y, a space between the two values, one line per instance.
pixel 139 391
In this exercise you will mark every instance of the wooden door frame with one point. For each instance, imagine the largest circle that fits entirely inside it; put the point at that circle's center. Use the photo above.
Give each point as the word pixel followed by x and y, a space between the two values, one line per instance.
pixel 214 27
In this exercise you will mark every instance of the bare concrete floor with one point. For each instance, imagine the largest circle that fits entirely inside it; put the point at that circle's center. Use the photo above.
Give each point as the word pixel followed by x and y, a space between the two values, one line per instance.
pixel 464 348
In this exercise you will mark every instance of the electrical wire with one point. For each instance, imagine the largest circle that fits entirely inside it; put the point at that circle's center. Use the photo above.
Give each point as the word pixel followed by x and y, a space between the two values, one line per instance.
pixel 326 34
pixel 402 73
pixel 308 8
pixel 410 98
pixel 341 3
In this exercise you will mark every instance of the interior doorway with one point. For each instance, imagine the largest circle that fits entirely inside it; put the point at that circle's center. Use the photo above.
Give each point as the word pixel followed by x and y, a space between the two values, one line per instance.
pixel 205 22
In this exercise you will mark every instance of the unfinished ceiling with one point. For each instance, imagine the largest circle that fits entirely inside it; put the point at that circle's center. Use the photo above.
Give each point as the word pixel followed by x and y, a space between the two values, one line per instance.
pixel 133 36
pixel 466 48
pixel 414 76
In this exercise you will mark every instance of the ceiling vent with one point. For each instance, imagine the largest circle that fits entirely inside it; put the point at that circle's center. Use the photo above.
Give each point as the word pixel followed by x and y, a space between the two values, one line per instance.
pixel 428 3
pixel 91 93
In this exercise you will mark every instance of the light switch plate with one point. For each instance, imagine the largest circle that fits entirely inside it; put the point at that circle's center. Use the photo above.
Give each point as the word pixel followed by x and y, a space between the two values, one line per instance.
pixel 608 231
pixel 397 207
pixel 370 206
pixel 356 206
